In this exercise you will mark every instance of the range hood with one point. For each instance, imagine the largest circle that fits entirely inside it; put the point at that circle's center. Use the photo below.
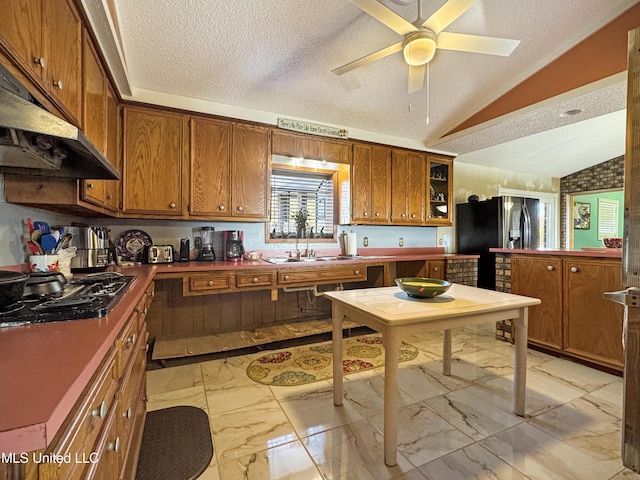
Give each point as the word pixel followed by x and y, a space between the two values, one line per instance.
pixel 36 142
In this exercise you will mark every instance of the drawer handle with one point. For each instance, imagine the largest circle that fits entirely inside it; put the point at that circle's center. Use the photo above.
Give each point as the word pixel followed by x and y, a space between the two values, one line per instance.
pixel 240 209
pixel 132 339
pixel 221 208
pixel 377 214
pixel 403 215
pixel 145 310
pixel 255 280
pixel 210 283
pixel 435 269
pixel 286 277
pixel 365 214
pixel 40 61
pixel 356 272
pixel 100 411
pixel 146 347
pixel 550 267
pixel 574 269
pixel 89 185
pixel 59 85
pixel 413 215
pixel 114 446
pixel 127 413
pixel 172 205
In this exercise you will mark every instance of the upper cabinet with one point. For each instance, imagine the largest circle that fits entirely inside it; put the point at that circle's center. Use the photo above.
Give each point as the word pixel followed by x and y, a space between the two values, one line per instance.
pixel 371 184
pixel 44 39
pixel 154 163
pixel 440 172
pixel 229 170
pixel 408 187
pixel 307 146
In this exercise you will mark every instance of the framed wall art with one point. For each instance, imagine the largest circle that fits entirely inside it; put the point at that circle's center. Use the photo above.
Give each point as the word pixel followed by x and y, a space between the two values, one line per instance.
pixel 581 216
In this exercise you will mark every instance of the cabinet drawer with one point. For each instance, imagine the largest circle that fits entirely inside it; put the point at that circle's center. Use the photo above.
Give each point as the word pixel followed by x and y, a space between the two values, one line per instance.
pixel 108 451
pixel 125 344
pixel 261 279
pixel 204 284
pixel 79 433
pixel 129 392
pixel 318 276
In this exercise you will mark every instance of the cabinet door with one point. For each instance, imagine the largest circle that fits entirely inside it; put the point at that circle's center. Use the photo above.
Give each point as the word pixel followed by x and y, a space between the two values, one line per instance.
pixel 64 66
pixel 21 33
pixel 541 278
pixel 593 325
pixel 210 189
pixel 440 191
pixel 250 171
pixel 415 188
pixel 94 116
pixel 361 183
pixel 437 269
pixel 114 155
pixel 153 169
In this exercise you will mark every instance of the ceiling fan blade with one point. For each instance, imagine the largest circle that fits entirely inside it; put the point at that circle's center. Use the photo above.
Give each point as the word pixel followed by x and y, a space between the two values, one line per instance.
pixel 476 44
pixel 386 16
pixel 367 59
pixel 416 77
pixel 447 14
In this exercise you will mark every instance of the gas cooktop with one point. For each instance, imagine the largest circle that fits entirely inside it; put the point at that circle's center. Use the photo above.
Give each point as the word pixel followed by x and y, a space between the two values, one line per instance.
pixel 90 296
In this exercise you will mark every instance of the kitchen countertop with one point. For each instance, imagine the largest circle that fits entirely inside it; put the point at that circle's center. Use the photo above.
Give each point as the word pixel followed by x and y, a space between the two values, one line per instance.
pixel 590 252
pixel 45 367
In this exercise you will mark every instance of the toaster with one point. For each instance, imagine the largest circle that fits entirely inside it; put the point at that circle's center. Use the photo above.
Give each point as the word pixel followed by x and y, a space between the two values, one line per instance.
pixel 158 254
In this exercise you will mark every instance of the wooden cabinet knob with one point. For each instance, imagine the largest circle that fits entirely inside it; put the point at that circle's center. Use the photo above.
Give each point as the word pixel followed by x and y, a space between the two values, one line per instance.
pixel 40 61
pixel 550 267
pixel 574 269
pixel 286 277
pixel 356 272
pixel 377 214
pixel 413 215
pixel 100 411
pixel 221 208
pixel 365 214
pixel 240 209
pixel 210 283
pixel 403 215
pixel 58 84
pixel 436 269
pixel 255 280
pixel 172 205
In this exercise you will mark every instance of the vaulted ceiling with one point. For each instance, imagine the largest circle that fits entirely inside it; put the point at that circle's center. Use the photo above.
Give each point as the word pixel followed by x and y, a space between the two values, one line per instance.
pixel 267 60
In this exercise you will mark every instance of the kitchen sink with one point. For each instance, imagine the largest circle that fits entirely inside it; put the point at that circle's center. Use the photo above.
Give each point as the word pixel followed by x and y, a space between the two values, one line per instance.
pixel 278 260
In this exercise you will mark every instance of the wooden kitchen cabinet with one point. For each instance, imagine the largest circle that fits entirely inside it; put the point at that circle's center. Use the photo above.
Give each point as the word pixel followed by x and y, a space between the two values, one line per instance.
pixel 407 187
pixel 154 174
pixel 440 193
pixel 44 39
pixel 371 183
pixel 229 169
pixel 593 325
pixel 541 278
pixel 306 146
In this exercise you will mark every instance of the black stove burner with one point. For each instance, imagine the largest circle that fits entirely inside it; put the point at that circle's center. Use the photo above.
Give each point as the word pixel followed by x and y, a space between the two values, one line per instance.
pixel 90 296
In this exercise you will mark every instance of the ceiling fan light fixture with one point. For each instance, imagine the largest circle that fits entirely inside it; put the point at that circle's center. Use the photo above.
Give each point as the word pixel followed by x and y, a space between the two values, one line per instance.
pixel 419 47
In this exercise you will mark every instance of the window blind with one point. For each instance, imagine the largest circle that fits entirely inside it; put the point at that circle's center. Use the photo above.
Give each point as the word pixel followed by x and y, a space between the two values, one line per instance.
pixel 311 193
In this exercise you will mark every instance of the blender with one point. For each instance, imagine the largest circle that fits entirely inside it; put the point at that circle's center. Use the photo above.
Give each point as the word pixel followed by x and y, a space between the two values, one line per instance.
pixel 207 253
pixel 233 247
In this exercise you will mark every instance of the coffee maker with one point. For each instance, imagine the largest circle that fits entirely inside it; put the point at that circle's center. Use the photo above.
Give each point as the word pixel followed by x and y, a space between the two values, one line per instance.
pixel 233 247
pixel 207 252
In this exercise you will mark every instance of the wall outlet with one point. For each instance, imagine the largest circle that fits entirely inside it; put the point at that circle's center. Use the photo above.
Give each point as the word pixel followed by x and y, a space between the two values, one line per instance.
pixel 441 241
pixel 365 241
pixel 401 242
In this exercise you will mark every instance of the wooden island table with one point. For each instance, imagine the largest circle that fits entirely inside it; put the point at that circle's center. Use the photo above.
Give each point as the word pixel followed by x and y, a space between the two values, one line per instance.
pixel 393 313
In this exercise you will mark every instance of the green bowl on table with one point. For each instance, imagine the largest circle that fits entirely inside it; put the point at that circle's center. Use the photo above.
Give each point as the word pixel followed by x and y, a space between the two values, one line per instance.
pixel 419 287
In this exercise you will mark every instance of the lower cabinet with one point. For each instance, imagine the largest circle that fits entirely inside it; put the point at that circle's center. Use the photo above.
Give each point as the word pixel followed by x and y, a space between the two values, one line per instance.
pixel 573 318
pixel 103 433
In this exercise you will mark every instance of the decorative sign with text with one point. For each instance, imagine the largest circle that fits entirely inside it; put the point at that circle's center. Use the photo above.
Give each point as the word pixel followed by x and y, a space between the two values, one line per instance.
pixel 311 128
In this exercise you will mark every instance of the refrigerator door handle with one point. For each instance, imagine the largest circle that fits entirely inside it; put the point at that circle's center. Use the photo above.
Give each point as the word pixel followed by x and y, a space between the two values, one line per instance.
pixel 526 236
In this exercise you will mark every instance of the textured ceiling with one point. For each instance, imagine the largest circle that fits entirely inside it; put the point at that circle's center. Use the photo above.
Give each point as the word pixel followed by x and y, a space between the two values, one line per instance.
pixel 264 60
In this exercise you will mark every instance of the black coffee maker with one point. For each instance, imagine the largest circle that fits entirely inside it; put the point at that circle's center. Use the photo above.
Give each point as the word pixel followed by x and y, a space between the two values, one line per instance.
pixel 233 247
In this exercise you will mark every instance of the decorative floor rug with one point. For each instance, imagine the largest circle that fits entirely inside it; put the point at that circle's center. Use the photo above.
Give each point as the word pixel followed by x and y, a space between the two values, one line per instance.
pixel 176 444
pixel 312 363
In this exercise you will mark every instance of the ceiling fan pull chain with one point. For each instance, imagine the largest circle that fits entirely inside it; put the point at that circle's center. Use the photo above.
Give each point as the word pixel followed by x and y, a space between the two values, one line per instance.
pixel 427 94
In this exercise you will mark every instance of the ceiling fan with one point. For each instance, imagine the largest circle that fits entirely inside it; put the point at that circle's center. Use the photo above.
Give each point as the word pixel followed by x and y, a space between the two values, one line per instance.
pixel 423 37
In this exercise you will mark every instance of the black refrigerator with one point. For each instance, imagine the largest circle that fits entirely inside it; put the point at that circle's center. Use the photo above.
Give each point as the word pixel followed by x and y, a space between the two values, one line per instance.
pixel 500 222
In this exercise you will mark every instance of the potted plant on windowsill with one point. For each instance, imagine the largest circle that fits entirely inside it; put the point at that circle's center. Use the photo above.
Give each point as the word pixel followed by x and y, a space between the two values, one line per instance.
pixel 301 223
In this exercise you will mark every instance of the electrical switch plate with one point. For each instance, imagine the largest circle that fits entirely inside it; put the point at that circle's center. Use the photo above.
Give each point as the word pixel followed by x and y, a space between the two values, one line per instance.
pixel 441 241
pixel 365 241
pixel 401 242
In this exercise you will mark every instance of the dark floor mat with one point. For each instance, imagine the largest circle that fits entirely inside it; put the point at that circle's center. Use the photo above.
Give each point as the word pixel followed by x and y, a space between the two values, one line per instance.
pixel 176 444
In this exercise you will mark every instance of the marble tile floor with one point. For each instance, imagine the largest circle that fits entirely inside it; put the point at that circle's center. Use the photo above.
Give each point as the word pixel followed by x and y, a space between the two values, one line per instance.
pixel 457 427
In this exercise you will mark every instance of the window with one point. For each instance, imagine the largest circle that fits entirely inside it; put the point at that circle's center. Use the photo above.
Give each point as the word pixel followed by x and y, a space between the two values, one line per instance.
pixel 303 200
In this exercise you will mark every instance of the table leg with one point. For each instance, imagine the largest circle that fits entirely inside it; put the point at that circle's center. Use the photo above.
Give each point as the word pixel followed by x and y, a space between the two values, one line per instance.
pixel 520 362
pixel 446 353
pixel 336 313
pixel 391 394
